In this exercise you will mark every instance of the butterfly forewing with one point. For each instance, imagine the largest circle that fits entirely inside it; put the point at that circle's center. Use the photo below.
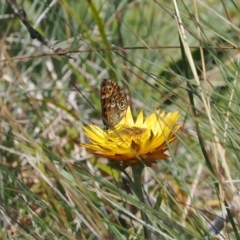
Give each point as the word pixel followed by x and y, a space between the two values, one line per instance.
pixel 114 102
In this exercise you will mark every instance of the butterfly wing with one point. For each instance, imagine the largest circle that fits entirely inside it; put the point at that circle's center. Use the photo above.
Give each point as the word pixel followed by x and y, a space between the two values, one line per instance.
pixel 107 89
pixel 113 102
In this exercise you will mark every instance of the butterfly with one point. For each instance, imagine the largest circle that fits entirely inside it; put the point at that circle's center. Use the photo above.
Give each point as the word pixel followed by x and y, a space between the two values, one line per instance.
pixel 114 103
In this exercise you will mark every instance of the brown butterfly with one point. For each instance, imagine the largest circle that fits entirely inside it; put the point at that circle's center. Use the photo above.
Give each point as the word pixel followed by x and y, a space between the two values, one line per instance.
pixel 113 101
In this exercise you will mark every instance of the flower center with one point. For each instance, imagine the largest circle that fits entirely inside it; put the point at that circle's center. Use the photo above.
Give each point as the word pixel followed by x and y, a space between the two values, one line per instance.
pixel 127 135
pixel 133 132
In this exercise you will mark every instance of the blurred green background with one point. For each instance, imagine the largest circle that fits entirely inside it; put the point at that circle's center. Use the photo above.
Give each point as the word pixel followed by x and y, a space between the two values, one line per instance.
pixel 50 187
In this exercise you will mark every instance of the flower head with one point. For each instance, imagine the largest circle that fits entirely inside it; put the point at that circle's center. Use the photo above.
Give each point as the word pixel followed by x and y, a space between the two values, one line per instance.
pixel 130 141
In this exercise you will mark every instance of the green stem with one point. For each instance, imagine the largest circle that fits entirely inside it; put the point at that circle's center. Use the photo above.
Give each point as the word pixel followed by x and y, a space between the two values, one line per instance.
pixel 137 170
pixel 101 29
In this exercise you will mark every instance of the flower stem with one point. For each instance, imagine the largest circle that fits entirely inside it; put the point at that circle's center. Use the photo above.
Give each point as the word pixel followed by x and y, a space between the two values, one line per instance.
pixel 137 170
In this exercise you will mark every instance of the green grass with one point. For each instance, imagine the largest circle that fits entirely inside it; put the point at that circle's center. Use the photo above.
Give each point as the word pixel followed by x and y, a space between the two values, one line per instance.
pixel 50 187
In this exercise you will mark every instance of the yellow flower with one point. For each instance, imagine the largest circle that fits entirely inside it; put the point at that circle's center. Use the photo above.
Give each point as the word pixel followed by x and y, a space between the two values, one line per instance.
pixel 130 142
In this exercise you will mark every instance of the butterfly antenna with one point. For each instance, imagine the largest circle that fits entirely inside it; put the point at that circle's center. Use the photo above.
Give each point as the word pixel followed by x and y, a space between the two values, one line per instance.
pixel 84 96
